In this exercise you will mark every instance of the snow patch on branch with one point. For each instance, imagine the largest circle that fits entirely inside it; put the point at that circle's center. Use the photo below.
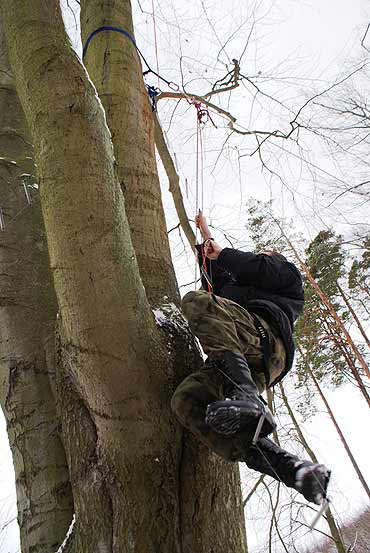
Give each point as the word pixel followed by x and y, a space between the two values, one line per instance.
pixel 68 535
pixel 168 314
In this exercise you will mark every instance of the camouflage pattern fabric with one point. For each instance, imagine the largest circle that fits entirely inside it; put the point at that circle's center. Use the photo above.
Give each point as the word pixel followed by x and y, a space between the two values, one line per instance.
pixel 222 325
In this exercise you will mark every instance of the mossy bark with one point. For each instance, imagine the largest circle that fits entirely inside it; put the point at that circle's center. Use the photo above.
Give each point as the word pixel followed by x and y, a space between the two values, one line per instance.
pixel 211 514
pixel 27 314
pixel 129 472
pixel 115 68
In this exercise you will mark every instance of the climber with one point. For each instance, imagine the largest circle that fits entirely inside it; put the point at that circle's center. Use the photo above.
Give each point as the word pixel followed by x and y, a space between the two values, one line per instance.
pixel 243 318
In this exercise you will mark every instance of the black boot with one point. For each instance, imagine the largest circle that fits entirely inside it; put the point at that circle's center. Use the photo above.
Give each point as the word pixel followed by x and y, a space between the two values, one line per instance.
pixel 310 479
pixel 242 410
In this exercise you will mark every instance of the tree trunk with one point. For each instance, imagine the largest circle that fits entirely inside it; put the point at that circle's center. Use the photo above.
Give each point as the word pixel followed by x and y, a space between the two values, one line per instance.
pixel 354 315
pixel 126 461
pixel 113 64
pixel 334 530
pixel 334 335
pixel 27 316
pixel 115 69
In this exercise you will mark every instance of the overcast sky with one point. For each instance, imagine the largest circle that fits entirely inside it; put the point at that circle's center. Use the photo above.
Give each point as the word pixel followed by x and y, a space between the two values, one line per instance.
pixel 294 47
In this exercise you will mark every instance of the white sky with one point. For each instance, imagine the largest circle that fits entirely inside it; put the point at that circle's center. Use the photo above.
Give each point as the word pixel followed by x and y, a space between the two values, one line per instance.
pixel 303 45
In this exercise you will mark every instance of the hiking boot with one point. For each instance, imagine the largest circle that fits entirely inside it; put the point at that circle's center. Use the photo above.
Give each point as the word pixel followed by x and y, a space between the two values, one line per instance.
pixel 242 410
pixel 312 480
pixel 309 479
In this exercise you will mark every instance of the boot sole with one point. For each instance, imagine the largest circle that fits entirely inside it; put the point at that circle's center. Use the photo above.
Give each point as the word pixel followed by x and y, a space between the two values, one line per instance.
pixel 233 419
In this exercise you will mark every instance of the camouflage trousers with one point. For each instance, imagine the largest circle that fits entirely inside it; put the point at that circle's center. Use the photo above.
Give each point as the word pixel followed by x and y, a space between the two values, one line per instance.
pixel 222 325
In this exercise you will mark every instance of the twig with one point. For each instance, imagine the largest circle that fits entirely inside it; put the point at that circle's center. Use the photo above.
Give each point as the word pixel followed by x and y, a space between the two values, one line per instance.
pixel 259 481
pixel 363 38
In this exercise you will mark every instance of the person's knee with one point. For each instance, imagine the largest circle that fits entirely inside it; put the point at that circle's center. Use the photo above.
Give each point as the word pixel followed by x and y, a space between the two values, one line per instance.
pixel 196 304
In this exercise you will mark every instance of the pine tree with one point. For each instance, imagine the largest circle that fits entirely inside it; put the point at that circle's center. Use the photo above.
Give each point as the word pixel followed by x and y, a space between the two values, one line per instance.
pixel 325 260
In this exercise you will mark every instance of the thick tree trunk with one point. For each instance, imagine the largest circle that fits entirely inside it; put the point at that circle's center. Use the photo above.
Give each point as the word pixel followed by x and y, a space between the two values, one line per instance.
pixel 113 63
pixel 27 316
pixel 124 449
pixel 114 66
pixel 334 530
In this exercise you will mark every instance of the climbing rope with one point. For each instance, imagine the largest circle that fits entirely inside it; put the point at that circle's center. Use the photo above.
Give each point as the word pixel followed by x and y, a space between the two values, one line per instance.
pixel 203 117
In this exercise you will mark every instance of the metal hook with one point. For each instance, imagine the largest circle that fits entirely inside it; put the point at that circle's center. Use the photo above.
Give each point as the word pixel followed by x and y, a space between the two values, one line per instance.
pixel 173 86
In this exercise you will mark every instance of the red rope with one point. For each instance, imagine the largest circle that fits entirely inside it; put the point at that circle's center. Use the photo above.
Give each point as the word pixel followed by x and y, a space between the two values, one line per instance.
pixel 204 268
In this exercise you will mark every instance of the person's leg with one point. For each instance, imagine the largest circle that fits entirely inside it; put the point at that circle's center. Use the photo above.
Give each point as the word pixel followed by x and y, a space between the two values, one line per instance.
pixel 189 403
pixel 209 319
pixel 215 321
pixel 310 479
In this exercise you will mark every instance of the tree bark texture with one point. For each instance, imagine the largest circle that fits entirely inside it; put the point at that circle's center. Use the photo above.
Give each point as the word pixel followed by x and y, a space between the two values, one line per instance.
pixel 27 316
pixel 124 447
pixel 114 67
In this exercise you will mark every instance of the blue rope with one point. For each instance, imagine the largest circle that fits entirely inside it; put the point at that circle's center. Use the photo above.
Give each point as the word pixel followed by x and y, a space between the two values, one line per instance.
pixel 172 85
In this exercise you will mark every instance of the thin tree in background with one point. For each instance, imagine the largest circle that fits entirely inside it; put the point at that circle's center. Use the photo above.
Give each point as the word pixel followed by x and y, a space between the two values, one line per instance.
pixel 334 530
pixel 327 304
pixel 354 315
pixel 340 433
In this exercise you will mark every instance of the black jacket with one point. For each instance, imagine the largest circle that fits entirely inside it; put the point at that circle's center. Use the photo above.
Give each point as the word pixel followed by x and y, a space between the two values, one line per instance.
pixel 266 285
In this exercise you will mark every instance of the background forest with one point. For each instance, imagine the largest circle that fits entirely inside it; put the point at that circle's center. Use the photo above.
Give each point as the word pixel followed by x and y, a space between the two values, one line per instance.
pixel 260 118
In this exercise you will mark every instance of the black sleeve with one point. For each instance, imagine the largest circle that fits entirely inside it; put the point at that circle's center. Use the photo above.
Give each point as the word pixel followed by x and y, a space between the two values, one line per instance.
pixel 260 270
pixel 212 271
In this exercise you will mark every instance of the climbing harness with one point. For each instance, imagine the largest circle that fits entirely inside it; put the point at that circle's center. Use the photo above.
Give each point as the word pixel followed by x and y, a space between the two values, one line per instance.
pixel 173 86
pixel 266 349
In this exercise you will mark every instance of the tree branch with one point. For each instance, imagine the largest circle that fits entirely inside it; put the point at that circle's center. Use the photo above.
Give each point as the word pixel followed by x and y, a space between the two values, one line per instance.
pixel 174 180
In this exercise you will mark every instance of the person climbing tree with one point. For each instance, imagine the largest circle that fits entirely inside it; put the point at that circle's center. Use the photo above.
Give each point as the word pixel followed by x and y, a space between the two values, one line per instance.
pixel 243 318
